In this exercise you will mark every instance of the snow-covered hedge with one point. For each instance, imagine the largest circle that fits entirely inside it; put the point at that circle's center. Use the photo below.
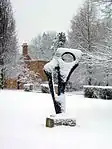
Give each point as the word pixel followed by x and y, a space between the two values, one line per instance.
pixel 103 92
pixel 28 87
pixel 44 88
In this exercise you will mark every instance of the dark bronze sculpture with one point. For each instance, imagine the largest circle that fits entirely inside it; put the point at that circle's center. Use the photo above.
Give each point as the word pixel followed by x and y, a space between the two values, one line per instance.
pixel 63 63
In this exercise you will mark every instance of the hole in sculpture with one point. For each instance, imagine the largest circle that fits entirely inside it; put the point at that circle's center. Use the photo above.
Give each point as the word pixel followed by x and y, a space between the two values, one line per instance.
pixel 68 57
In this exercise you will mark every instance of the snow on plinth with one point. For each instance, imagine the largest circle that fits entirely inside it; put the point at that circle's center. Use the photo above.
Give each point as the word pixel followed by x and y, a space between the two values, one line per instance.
pixel 60 120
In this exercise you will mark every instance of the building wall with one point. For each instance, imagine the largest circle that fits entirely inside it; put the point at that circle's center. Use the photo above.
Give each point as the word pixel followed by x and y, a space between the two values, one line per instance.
pixel 37 67
pixel 12 84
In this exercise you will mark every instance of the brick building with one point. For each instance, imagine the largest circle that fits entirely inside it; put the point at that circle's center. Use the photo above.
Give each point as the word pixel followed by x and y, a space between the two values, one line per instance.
pixel 33 65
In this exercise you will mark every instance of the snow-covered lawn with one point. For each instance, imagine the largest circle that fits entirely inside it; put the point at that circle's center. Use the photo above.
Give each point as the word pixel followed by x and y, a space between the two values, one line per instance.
pixel 22 122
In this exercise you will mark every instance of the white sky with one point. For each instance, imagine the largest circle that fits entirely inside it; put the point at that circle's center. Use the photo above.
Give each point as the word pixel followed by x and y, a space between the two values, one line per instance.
pixel 35 16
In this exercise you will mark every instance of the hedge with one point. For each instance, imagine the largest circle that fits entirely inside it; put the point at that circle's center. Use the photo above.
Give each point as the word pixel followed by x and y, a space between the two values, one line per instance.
pixel 102 92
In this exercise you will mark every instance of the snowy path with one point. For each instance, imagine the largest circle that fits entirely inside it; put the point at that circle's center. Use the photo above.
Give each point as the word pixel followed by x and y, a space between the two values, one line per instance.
pixel 22 118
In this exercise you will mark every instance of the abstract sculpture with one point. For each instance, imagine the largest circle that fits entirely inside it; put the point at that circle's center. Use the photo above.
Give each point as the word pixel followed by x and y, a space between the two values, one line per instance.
pixel 63 63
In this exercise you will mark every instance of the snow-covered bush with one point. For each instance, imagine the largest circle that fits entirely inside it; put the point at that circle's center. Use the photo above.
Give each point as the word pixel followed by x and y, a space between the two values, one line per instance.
pixel 44 88
pixel 103 92
pixel 28 87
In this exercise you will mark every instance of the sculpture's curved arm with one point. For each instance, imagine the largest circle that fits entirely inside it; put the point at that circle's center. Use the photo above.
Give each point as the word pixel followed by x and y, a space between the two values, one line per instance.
pixel 72 69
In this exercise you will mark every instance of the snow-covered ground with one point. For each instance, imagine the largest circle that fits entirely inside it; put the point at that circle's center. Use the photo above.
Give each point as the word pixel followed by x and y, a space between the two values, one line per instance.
pixel 22 122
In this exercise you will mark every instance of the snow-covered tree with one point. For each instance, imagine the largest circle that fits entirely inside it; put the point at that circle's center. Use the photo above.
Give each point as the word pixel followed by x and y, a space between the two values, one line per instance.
pixel 44 45
pixel 84 28
pixel 26 76
pixel 8 42
pixel 40 46
pixel 59 41
pixel 22 73
pixel 84 34
pixel 105 8
pixel 91 33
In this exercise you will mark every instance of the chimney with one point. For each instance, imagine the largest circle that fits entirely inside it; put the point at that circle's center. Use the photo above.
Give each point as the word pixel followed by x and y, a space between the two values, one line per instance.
pixel 25 49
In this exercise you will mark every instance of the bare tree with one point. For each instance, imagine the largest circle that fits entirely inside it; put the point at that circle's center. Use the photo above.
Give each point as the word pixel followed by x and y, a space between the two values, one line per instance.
pixel 84 31
pixel 91 33
pixel 84 35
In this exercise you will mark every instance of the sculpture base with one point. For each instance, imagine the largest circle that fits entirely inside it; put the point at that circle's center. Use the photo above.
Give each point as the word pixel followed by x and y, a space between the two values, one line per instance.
pixel 58 120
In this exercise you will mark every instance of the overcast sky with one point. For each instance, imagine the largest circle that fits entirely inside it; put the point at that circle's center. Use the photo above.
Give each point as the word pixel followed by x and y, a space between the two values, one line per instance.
pixel 35 16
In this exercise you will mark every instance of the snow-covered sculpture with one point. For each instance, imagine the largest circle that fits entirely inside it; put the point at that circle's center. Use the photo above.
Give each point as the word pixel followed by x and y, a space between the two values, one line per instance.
pixel 63 63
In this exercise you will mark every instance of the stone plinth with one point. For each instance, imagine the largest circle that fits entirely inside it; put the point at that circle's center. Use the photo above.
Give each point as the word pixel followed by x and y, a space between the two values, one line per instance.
pixel 53 121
